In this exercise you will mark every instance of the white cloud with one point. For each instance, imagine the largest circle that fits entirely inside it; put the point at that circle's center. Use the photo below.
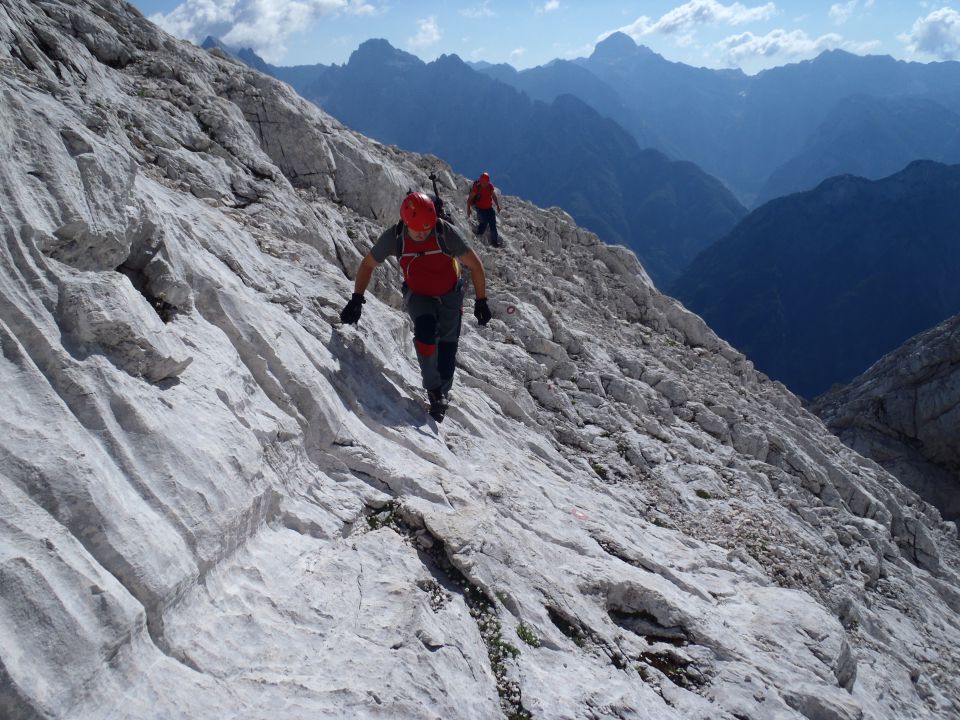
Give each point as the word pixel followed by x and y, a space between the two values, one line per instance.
pixel 428 34
pixel 841 12
pixel 582 51
pixel 261 25
pixel 480 11
pixel 684 18
pixel 736 48
pixel 360 7
pixel 788 45
pixel 549 6
pixel 936 35
pixel 517 54
pixel 862 48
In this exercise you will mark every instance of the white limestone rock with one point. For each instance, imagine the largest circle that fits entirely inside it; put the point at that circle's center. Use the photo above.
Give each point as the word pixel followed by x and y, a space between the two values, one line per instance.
pixel 904 412
pixel 750 441
pixel 102 312
pixel 630 393
pixel 673 391
pixel 78 197
pixel 710 421
pixel 62 609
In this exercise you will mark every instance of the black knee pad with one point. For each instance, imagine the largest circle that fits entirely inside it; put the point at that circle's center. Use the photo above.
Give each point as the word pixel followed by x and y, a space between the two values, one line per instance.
pixel 425 329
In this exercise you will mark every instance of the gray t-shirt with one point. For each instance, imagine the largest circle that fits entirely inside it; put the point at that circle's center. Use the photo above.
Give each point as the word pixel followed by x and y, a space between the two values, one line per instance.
pixel 386 244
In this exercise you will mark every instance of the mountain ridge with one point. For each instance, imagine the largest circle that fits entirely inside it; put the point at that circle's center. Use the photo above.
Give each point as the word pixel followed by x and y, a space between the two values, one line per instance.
pixel 737 127
pixel 644 93
pixel 872 138
pixel 816 286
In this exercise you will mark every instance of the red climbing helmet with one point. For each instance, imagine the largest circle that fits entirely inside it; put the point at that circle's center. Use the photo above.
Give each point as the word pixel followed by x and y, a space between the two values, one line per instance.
pixel 417 212
pixel 484 178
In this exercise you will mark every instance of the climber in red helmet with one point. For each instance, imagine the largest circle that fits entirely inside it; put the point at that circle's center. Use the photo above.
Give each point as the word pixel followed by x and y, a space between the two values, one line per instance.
pixel 430 252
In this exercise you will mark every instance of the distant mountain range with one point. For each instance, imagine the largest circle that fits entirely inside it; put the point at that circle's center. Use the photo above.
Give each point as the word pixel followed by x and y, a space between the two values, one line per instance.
pixel 565 77
pixel 870 137
pixel 561 153
pixel 816 286
pixel 761 133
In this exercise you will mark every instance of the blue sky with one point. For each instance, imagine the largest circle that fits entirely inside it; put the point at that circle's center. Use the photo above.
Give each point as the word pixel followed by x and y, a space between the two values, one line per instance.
pixel 526 33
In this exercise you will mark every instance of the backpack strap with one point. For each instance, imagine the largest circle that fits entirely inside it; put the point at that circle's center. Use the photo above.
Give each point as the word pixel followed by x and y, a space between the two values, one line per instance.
pixel 441 239
pixel 398 234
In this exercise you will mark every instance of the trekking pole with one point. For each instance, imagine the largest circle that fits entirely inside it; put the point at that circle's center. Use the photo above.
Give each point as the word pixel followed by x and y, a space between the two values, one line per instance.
pixel 436 194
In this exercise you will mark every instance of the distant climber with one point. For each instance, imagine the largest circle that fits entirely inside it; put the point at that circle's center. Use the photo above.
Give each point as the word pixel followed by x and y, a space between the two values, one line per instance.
pixel 430 251
pixel 483 196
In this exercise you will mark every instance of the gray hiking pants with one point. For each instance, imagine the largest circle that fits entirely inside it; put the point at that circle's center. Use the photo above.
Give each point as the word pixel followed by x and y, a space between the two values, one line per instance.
pixel 486 217
pixel 436 333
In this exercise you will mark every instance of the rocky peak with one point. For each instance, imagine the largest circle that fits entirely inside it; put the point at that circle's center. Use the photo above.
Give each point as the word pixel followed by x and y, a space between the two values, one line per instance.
pixel 375 52
pixel 217 501
pixel 616 46
pixel 210 42
pixel 904 412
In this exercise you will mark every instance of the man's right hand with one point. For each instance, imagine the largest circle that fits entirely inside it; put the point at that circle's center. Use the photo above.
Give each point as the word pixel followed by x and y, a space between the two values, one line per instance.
pixel 481 311
pixel 351 313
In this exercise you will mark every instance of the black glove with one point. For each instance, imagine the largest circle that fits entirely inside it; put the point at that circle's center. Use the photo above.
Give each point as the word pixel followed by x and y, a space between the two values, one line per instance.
pixel 481 311
pixel 351 313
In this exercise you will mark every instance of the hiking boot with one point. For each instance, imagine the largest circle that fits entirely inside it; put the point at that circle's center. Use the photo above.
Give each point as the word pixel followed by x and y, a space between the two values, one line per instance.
pixel 438 405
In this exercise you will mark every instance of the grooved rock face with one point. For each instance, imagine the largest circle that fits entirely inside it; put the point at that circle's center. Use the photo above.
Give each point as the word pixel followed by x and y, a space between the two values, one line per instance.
pixel 216 500
pixel 103 311
pixel 904 412
pixel 77 196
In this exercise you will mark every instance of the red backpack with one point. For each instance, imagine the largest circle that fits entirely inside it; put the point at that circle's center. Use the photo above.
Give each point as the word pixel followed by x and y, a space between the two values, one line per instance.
pixel 481 197
pixel 428 268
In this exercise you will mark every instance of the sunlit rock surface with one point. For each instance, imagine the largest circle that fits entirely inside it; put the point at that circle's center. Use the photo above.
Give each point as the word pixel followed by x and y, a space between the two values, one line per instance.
pixel 216 501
